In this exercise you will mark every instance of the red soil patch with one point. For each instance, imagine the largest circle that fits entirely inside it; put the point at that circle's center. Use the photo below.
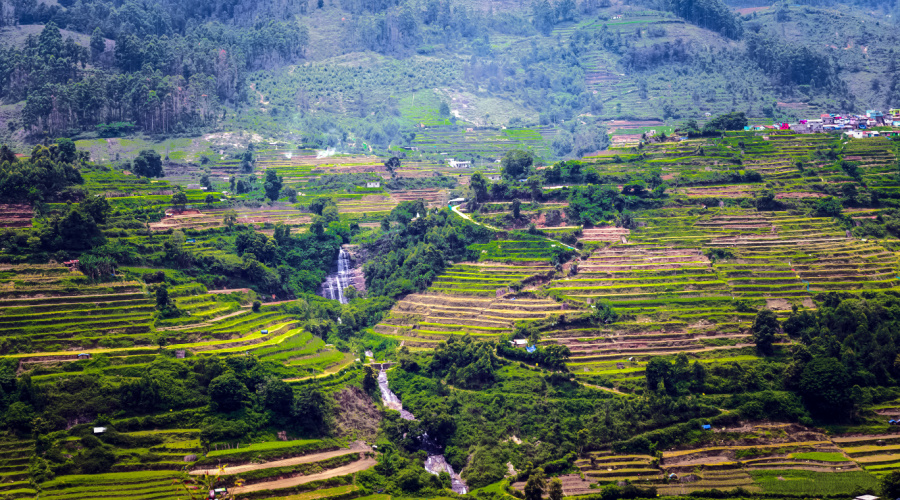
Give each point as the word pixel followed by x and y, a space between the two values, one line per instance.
pixel 605 234
pixel 214 218
pixel 191 211
pixel 15 215
pixel 628 124
pixel 799 195
pixel 626 139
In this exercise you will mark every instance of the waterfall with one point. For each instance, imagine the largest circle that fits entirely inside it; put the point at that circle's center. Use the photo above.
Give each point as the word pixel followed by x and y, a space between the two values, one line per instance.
pixel 435 463
pixel 336 282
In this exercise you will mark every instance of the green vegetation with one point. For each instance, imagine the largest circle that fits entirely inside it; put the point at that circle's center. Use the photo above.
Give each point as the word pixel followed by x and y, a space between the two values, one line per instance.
pixel 813 483
pixel 680 307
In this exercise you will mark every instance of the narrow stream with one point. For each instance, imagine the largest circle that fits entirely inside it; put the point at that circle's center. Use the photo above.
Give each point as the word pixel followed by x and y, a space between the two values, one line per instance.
pixel 435 462
pixel 336 282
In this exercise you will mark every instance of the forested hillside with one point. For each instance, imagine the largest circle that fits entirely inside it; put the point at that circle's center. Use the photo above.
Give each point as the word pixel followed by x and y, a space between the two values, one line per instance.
pixel 362 75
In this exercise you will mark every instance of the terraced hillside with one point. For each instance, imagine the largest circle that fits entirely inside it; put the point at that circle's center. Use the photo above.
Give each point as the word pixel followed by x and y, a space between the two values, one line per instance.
pixel 52 314
pixel 796 453
pixel 50 308
pixel 674 296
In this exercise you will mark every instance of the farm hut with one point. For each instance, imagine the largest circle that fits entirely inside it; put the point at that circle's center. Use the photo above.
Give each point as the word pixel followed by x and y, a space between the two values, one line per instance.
pixel 179 354
pixel 866 497
pixel 706 427
pixel 519 342
pixel 99 430
pixel 264 332
pixel 84 355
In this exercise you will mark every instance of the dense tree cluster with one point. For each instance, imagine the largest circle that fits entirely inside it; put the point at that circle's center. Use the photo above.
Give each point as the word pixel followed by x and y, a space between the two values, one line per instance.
pixel 551 411
pixel 219 395
pixel 714 15
pixel 418 245
pixel 464 362
pixel 159 77
pixel 43 176
pixel 849 343
pixel 791 64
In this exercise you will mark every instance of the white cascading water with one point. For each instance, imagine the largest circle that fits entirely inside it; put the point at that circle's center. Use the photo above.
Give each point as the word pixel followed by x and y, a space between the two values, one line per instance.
pixel 435 463
pixel 335 283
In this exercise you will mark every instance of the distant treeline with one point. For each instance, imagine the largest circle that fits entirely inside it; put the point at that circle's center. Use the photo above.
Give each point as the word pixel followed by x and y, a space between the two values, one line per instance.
pixel 164 69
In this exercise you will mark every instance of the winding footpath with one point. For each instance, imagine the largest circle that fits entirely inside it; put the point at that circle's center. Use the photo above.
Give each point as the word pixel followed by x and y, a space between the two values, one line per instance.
pixel 455 209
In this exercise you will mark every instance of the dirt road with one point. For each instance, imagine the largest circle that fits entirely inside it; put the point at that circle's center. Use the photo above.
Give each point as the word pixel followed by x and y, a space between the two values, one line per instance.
pixel 294 481
pixel 356 447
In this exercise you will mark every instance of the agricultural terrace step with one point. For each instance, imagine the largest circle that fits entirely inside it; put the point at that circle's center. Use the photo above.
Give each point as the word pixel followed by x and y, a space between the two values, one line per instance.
pixel 632 343
pixel 89 313
pixel 795 444
pixel 69 308
pixel 616 298
pixel 465 316
pixel 211 322
pixel 624 259
pixel 584 280
pixel 705 285
pixel 467 303
pixel 878 459
pixel 815 467
pixel 72 299
pixel 768 241
pixel 648 352
pixel 449 319
pixel 619 472
pixel 645 250
pixel 870 450
pixel 108 322
pixel 249 340
pixel 601 336
pixel 599 266
pixel 783 460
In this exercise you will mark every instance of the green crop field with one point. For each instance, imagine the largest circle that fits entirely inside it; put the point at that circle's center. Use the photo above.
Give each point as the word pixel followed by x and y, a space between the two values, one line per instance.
pixel 812 483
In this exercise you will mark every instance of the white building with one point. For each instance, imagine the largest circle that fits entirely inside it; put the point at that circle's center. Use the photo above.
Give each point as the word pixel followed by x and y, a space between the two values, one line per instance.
pixel 459 164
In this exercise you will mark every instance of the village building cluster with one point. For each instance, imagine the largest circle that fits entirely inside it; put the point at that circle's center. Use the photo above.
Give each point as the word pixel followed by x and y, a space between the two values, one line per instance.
pixel 856 126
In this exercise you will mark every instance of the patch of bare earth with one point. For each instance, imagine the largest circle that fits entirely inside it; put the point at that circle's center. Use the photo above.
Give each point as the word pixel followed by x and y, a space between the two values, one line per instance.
pixel 356 447
pixel 799 195
pixel 357 466
pixel 357 415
